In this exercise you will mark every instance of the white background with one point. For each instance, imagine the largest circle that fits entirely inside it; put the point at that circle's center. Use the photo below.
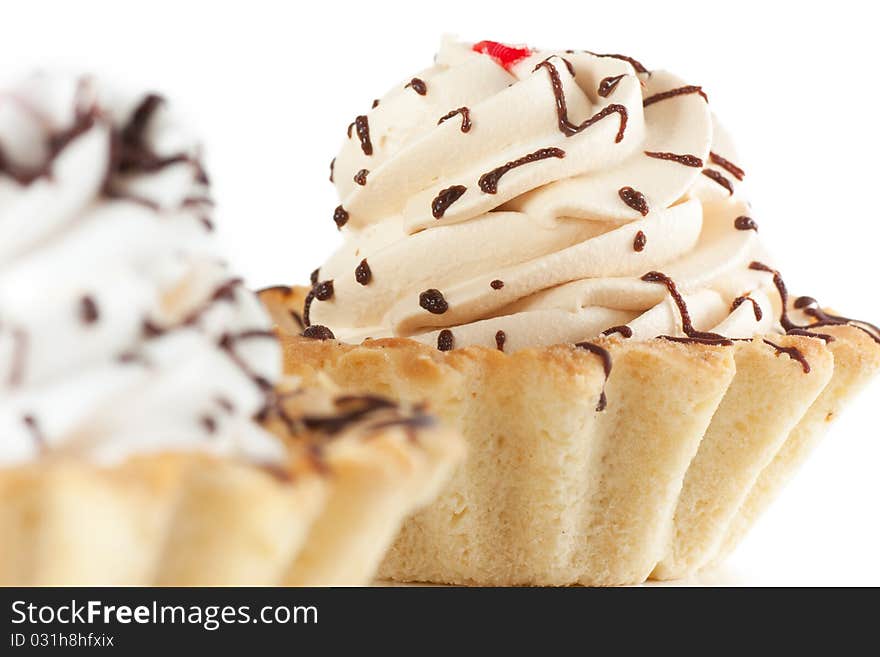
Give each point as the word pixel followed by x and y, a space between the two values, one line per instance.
pixel 273 85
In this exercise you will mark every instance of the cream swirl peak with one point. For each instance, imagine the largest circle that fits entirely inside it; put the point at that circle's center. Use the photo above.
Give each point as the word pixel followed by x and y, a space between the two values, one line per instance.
pixel 121 330
pixel 526 194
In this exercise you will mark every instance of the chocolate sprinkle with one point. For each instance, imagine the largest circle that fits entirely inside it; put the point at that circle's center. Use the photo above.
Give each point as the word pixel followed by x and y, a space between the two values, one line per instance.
pixel 445 340
pixel 375 104
pixel 418 85
pixel 500 339
pixel 433 301
pixel 496 284
pixel 759 314
pixel 565 125
pixel 209 424
pixel 88 310
pixel 465 118
pixel 745 223
pixel 639 242
pixel 727 165
pixel 489 181
pixel 605 357
pixel 687 160
pixel 362 273
pixel 340 216
pixel 609 84
pixel 793 353
pixel 318 332
pixel 672 93
pixel 720 179
pixel 445 198
pixel 361 177
pixel 324 290
pixel 332 167
pixel 313 277
pixel 625 331
pixel 634 199
pixel 362 126
pixel 36 432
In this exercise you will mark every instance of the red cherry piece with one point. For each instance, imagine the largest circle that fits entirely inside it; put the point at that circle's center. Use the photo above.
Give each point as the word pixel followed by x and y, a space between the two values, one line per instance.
pixel 505 55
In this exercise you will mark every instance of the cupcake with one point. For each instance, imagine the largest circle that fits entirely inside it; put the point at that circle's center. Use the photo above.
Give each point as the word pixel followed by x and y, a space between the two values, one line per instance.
pixel 146 434
pixel 553 249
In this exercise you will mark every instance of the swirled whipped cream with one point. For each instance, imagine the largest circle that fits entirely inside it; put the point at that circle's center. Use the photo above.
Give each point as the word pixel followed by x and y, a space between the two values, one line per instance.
pixel 121 330
pixel 511 197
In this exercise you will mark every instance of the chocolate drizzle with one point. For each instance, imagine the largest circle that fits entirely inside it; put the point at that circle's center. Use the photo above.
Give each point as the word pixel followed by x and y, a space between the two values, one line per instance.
pixel 19 357
pixel 720 179
pixel 433 301
pixel 465 118
pixel 639 242
pixel 759 314
pixel 727 165
pixel 500 339
pixel 318 332
pixel 634 199
pixel 793 353
pixel 623 330
pixel 804 304
pixel 445 198
pixel 567 63
pixel 418 85
pixel 357 407
pixel 129 148
pixel 687 326
pixel 297 319
pixel 497 284
pixel 745 223
pixel 445 340
pixel 361 177
pixel 605 356
pixel 362 273
pixel 637 65
pixel 686 160
pixel 489 181
pixel 88 310
pixel 84 120
pixel 228 342
pixel 672 93
pixel 826 319
pixel 362 126
pixel 565 125
pixel 340 216
pixel 608 85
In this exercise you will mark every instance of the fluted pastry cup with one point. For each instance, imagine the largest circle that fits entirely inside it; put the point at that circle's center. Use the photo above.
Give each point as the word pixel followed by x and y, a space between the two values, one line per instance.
pixel 140 384
pixel 693 444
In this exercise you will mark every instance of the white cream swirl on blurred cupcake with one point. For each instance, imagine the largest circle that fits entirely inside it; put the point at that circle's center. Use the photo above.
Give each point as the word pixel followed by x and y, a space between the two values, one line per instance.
pixel 121 330
pixel 511 197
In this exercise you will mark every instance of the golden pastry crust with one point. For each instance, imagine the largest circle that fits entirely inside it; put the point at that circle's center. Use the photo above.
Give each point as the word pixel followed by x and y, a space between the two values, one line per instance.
pixel 694 442
pixel 325 517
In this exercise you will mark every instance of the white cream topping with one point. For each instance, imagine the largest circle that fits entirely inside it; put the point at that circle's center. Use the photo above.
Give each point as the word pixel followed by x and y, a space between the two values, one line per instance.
pixel 121 329
pixel 557 232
